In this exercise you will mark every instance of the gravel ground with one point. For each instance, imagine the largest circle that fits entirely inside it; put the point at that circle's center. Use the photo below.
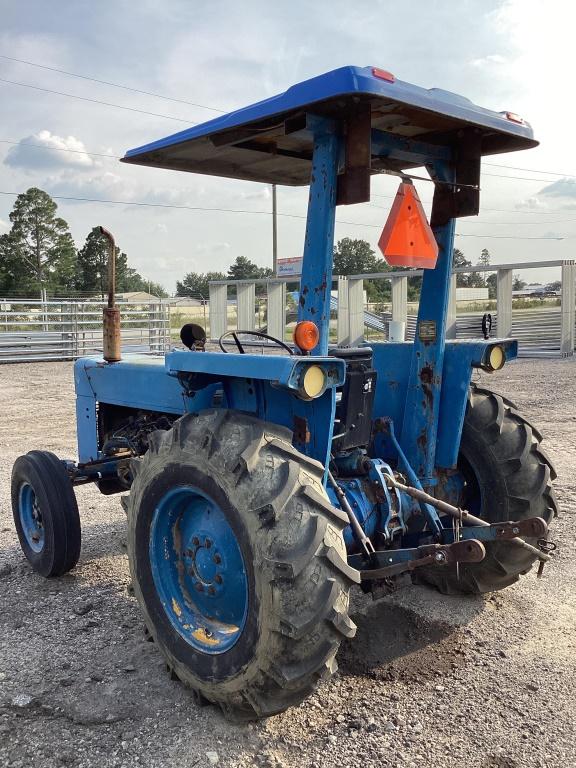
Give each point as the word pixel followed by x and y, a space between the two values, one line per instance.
pixel 428 680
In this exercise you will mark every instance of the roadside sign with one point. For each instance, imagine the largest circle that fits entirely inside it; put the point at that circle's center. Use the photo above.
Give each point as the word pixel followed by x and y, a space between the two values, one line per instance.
pixel 289 267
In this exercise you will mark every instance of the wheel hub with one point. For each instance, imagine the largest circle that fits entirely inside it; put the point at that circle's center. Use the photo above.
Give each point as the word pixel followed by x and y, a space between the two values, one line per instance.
pixel 198 570
pixel 31 517
pixel 204 565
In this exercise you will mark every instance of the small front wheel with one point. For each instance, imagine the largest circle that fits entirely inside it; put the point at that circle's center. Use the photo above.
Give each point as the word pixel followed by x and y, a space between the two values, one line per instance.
pixel 45 513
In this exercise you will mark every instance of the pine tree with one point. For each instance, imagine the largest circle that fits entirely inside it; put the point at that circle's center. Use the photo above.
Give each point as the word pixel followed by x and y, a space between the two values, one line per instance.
pixel 38 245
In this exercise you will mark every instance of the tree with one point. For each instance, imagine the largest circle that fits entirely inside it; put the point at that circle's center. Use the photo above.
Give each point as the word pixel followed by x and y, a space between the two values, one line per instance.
pixel 15 277
pixel 244 269
pixel 356 257
pixel 492 282
pixel 518 284
pixel 459 260
pixel 196 284
pixel 92 264
pixel 40 242
pixel 92 269
pixel 554 287
pixel 472 280
pixel 484 259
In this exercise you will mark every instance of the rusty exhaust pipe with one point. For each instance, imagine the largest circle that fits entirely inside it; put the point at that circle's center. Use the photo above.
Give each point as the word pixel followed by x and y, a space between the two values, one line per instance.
pixel 111 313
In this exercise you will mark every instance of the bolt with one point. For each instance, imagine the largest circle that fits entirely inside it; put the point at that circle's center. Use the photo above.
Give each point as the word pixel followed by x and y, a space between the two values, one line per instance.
pixel 199 587
pixel 217 559
pixel 440 557
pixel 516 530
pixel 195 541
pixel 218 578
pixel 207 543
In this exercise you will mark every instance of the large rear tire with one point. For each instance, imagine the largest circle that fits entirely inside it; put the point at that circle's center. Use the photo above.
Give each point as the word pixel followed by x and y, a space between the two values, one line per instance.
pixel 238 562
pixel 507 477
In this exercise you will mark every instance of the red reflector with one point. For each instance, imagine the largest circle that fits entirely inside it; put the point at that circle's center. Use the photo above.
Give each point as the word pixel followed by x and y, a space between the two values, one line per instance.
pixel 382 74
pixel 514 117
pixel 407 239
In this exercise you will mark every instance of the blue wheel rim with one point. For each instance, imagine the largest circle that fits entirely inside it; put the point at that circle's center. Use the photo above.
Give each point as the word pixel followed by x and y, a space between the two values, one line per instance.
pixel 198 570
pixel 31 520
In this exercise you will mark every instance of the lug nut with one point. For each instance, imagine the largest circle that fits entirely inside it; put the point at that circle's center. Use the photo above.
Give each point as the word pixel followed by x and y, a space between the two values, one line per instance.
pixel 217 559
pixel 211 590
pixel 195 541
pixel 207 543
pixel 200 587
pixel 218 578
pixel 440 557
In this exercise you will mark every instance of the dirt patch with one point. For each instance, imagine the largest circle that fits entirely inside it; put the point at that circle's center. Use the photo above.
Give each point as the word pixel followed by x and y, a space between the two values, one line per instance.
pixel 395 644
pixel 429 680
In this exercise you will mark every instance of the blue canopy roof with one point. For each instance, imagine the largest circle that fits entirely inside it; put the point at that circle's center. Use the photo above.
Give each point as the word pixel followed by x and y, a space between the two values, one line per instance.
pixel 269 141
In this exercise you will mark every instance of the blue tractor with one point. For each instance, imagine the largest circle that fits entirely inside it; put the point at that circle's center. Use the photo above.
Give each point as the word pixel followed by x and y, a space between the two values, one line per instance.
pixel 261 488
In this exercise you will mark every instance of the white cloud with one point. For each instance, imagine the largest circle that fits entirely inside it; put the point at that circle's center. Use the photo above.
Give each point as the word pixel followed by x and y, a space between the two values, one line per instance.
pixel 111 186
pixel 4 224
pixel 211 247
pixel 493 59
pixel 263 193
pixel 44 150
pixel 565 188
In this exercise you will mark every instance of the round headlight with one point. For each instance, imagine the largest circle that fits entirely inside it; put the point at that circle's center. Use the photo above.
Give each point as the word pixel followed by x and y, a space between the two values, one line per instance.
pixel 496 358
pixel 313 382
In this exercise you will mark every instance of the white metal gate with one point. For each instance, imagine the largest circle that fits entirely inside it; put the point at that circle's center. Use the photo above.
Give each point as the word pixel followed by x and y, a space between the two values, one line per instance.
pixel 64 330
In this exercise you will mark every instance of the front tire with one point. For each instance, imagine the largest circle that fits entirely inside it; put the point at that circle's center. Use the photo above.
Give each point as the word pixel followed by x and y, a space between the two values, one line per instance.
pixel 45 513
pixel 507 476
pixel 238 562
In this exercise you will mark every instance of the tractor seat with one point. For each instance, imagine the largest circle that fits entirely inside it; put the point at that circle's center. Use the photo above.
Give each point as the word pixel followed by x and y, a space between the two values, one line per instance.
pixel 352 354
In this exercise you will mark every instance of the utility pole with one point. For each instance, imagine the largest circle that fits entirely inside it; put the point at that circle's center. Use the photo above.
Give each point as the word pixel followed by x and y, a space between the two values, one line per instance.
pixel 274 233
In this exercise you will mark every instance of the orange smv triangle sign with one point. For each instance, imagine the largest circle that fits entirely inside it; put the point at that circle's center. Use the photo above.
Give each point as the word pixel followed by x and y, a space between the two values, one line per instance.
pixel 407 239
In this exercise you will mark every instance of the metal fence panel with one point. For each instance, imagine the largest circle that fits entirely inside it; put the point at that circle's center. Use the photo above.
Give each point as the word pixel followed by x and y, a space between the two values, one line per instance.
pixel 64 330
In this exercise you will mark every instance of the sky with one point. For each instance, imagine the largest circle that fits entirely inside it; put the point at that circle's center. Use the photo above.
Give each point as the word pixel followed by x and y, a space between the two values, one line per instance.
pixel 512 55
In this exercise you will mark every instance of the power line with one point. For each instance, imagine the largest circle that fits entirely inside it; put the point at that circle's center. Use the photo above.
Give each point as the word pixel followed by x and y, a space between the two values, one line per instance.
pixel 519 178
pixel 59 149
pixel 531 170
pixel 26 144
pixel 514 237
pixel 112 85
pixel 193 122
pixel 261 213
pixel 221 111
pixel 494 210
pixel 97 101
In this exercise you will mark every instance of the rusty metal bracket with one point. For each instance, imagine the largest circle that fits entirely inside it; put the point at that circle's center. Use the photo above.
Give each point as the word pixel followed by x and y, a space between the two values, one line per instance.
pixel 405 560
pixel 532 527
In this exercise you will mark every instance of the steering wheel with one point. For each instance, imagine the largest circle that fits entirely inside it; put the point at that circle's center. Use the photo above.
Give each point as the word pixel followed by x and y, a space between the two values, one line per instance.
pixel 257 334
